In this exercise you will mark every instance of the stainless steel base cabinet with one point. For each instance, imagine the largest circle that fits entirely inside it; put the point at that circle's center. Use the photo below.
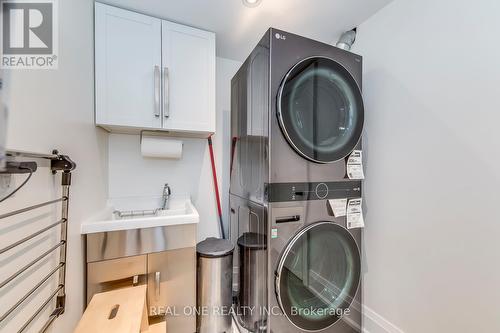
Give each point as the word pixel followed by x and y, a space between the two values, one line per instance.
pixel 171 283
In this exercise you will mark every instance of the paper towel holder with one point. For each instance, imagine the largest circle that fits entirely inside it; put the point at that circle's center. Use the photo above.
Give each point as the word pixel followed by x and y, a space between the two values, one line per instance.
pixel 153 133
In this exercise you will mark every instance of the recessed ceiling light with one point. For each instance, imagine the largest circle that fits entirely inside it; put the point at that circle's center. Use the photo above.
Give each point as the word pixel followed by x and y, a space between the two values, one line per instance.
pixel 252 3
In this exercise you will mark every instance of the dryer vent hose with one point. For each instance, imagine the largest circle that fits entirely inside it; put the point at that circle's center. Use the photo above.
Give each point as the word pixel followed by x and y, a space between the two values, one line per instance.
pixel 347 40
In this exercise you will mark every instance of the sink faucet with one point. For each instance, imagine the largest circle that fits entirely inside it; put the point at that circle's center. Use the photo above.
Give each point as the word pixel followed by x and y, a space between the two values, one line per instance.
pixel 166 197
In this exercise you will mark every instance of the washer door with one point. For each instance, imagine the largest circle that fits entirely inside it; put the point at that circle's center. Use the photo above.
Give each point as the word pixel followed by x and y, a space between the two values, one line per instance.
pixel 318 276
pixel 320 110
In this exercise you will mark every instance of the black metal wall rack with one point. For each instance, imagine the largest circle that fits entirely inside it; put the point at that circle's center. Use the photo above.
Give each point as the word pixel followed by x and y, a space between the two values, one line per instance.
pixel 57 163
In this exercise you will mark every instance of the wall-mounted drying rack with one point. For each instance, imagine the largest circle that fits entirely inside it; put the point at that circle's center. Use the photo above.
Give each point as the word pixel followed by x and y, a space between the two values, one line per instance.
pixel 57 163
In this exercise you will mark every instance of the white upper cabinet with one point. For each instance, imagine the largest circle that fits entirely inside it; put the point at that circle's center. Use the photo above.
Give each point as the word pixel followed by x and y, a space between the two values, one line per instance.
pixel 189 71
pixel 127 59
pixel 153 74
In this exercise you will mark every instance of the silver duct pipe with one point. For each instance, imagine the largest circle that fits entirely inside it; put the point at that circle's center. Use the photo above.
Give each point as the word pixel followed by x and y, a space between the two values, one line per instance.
pixel 347 40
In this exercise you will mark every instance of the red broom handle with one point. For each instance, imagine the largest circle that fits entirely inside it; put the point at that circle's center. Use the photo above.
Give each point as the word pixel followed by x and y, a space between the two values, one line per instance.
pixel 216 185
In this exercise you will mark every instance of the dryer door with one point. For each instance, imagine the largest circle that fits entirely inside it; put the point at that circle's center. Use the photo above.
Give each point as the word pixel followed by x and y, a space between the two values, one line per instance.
pixel 318 276
pixel 320 110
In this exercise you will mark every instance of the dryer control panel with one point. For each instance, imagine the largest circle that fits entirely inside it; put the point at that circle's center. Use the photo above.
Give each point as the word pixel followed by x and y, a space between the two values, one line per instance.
pixel 283 192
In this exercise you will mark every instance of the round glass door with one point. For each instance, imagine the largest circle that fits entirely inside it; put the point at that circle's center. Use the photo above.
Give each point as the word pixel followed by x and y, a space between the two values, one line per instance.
pixel 318 276
pixel 320 110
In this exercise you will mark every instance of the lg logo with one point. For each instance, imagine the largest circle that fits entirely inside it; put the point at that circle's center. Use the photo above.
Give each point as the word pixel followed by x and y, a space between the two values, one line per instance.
pixel 280 36
pixel 29 33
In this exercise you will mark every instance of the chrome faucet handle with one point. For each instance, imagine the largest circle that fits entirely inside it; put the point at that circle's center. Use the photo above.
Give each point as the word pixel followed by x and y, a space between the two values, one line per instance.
pixel 167 191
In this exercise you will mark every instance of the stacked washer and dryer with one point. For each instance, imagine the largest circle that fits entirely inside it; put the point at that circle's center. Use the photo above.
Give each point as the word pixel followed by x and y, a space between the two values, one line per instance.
pixel 296 116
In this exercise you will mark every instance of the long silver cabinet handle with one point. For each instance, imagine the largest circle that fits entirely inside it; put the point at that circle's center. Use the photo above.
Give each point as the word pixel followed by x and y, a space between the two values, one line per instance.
pixel 157 78
pixel 157 285
pixel 166 92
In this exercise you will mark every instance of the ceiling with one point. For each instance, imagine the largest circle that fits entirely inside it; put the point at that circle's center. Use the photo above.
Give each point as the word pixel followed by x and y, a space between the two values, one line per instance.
pixel 239 28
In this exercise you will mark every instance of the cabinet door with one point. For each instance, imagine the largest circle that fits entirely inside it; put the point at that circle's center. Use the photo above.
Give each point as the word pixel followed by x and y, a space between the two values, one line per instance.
pixel 189 78
pixel 127 68
pixel 172 288
pixel 112 274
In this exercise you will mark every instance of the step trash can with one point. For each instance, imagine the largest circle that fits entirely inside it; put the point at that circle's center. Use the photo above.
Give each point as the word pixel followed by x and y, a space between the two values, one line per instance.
pixel 214 285
pixel 252 298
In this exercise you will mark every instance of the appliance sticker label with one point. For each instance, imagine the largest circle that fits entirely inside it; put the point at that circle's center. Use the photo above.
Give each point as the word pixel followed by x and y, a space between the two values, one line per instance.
pixel 274 233
pixel 355 165
pixel 356 157
pixel 355 214
pixel 338 206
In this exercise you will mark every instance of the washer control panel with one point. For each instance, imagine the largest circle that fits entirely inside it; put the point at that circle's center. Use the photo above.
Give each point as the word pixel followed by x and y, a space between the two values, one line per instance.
pixel 283 192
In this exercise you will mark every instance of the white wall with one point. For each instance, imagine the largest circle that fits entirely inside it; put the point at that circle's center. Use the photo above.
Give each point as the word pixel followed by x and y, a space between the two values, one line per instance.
pixel 431 87
pixel 130 174
pixel 55 109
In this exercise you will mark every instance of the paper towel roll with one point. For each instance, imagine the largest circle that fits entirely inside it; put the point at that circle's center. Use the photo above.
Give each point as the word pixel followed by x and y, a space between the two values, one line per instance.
pixel 161 147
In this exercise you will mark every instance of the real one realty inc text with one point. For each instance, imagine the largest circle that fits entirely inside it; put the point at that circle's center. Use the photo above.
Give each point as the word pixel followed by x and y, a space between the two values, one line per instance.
pixel 244 311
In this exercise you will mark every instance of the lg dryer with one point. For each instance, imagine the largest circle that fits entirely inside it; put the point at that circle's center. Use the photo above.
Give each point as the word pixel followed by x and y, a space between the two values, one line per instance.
pixel 296 113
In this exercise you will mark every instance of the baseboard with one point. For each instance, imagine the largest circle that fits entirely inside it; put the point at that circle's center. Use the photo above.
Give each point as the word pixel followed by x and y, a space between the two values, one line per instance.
pixel 372 318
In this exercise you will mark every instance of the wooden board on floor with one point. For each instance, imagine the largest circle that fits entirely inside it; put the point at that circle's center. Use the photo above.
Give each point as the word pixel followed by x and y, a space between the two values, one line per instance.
pixel 160 327
pixel 130 317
